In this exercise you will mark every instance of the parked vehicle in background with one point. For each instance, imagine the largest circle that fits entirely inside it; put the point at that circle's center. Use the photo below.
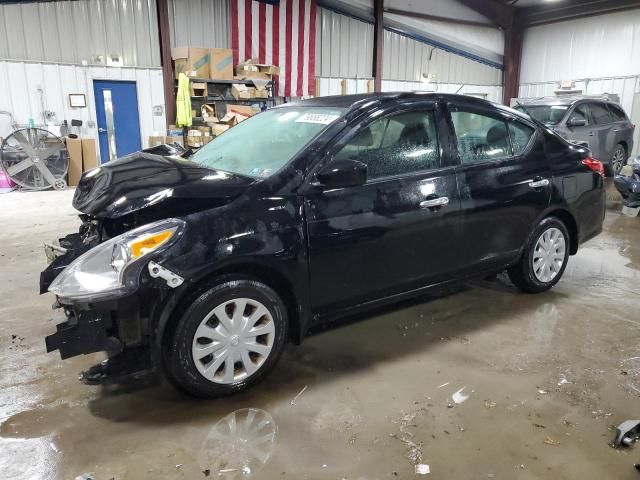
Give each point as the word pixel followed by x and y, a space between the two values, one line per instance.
pixel 205 268
pixel 599 123
pixel 629 186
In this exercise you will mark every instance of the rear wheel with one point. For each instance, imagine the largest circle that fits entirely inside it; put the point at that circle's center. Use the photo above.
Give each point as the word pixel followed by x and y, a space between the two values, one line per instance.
pixel 618 160
pixel 227 340
pixel 544 259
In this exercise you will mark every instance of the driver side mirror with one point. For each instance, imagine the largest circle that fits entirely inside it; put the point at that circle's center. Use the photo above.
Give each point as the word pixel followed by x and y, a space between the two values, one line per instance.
pixel 343 173
pixel 577 122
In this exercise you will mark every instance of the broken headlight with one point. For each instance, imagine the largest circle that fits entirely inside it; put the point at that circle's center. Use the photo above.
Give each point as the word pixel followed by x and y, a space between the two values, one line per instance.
pixel 112 268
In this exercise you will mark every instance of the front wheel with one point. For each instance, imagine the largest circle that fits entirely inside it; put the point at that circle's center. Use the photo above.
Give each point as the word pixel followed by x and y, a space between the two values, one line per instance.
pixel 544 259
pixel 227 340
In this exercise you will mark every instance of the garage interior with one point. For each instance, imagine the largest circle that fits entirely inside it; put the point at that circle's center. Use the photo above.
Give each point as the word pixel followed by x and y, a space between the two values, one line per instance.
pixel 477 381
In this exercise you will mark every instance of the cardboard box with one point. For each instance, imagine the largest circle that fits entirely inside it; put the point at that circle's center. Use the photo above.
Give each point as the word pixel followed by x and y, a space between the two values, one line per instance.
pixel 89 155
pixel 261 92
pixel 175 139
pixel 205 131
pixel 221 65
pixel 209 112
pixel 198 89
pixel 240 91
pixel 154 141
pixel 74 147
pixel 219 128
pixel 244 110
pixel 252 69
pixel 194 62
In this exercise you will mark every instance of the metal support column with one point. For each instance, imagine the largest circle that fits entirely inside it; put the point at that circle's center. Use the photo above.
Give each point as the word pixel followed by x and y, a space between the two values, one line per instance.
pixel 378 38
pixel 512 57
pixel 162 8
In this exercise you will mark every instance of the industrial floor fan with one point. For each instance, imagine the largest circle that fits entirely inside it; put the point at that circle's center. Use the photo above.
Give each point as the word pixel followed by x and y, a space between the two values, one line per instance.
pixel 35 159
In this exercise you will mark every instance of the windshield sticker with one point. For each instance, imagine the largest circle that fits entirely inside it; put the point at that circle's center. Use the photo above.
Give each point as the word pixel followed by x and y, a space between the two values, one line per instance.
pixel 322 118
pixel 260 172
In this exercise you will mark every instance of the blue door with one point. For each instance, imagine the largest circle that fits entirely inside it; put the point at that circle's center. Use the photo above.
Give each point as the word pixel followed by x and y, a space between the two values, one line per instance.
pixel 118 118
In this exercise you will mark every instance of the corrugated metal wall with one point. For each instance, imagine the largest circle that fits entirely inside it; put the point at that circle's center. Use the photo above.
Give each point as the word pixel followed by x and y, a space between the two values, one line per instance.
pixel 344 46
pixel 200 23
pixel 332 86
pixel 407 59
pixel 344 49
pixel 82 30
pixel 19 93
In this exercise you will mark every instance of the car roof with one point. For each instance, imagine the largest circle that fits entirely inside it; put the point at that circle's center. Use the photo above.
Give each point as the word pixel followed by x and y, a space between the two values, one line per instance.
pixel 358 101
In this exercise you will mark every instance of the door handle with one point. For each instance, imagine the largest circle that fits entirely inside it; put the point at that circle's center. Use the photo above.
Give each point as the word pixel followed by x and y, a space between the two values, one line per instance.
pixel 538 183
pixel 102 130
pixel 616 129
pixel 434 202
pixel 591 134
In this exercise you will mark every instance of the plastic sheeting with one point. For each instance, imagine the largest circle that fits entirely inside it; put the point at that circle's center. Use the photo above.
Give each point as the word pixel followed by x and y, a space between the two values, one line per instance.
pixel 593 47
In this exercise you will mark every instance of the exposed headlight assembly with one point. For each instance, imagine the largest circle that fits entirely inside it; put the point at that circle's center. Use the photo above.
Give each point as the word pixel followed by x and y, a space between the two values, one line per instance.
pixel 112 268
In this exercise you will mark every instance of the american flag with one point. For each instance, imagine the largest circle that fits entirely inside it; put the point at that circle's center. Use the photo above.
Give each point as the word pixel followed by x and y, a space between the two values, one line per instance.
pixel 278 32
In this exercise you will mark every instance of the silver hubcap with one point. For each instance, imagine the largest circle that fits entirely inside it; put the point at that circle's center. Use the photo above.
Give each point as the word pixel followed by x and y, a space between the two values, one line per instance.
pixel 548 255
pixel 618 160
pixel 233 340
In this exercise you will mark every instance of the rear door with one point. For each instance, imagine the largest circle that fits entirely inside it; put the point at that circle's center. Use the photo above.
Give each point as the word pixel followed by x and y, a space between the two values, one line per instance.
pixel 602 132
pixel 398 230
pixel 504 180
pixel 622 127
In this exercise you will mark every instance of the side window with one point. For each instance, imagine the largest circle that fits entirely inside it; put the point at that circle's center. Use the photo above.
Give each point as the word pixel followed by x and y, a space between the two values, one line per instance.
pixel 600 114
pixel 480 137
pixel 520 136
pixel 402 143
pixel 618 113
pixel 581 112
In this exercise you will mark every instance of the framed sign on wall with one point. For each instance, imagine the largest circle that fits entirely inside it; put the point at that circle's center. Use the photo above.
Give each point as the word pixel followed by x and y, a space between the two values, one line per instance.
pixel 77 100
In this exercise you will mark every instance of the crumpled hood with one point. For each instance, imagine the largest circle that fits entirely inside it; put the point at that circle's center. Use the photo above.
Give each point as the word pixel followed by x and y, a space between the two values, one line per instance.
pixel 141 180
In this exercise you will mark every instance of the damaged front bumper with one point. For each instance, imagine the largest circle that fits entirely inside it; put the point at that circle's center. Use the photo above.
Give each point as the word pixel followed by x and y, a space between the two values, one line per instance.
pixel 115 327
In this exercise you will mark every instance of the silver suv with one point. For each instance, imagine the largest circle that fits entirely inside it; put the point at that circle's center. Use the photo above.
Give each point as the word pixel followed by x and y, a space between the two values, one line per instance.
pixel 597 122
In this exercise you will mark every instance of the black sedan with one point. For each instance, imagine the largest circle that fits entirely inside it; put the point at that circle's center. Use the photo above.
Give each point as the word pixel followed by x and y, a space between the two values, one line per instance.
pixel 204 268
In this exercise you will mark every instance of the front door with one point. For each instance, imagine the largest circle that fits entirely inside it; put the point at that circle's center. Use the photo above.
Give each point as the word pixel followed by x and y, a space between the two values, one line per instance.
pixel 396 231
pixel 504 180
pixel 118 118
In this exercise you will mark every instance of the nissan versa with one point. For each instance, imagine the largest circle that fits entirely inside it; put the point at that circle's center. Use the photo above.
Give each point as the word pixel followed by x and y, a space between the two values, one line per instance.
pixel 203 268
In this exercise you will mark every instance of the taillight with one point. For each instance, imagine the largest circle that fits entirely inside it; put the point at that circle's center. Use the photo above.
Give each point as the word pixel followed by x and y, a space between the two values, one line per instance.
pixel 595 165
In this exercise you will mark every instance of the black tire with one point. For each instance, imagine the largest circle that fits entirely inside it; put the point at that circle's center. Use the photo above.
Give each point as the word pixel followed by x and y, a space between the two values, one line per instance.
pixel 523 274
pixel 614 168
pixel 178 360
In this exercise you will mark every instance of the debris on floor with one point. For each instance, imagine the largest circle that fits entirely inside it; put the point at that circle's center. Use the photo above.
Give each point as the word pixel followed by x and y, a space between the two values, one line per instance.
pixel 413 449
pixel 459 397
pixel 550 441
pixel 627 433
pixel 422 469
pixel 293 402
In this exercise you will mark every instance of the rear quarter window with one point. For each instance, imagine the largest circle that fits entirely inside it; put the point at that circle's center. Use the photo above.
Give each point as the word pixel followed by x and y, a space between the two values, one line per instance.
pixel 520 136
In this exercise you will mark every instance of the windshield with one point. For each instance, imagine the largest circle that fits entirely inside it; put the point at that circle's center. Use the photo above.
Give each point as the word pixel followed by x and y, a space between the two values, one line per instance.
pixel 264 143
pixel 547 114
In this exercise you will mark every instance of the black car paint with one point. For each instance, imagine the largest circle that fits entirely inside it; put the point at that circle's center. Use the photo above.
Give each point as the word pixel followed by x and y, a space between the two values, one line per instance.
pixel 329 252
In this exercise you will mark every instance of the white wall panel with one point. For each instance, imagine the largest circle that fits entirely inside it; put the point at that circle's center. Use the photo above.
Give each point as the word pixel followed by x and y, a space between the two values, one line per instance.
pixel 200 23
pixel 333 86
pixel 81 30
pixel 407 59
pixel 593 47
pixel 344 45
pixel 19 93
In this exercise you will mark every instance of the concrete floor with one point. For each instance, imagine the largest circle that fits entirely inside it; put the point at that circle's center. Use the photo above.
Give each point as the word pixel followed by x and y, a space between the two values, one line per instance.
pixel 546 377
